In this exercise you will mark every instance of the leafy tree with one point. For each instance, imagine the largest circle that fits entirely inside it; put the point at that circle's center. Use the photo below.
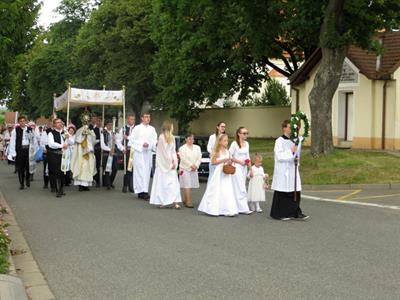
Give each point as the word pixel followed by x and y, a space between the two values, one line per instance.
pixel 17 30
pixel 114 48
pixel 211 49
pixel 49 65
pixel 344 23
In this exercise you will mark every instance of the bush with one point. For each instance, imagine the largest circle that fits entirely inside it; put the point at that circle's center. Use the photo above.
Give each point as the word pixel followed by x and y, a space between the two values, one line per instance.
pixel 4 245
pixel 273 94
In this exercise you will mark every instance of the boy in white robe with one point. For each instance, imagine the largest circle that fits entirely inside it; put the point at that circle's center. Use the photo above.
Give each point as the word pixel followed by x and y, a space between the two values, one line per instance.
pixel 143 141
pixel 286 202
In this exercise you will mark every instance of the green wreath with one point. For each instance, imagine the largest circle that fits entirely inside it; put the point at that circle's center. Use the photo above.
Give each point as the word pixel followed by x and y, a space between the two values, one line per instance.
pixel 295 125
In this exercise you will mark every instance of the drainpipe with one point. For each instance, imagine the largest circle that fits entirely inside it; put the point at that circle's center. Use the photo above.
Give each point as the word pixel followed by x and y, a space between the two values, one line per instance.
pixel 384 115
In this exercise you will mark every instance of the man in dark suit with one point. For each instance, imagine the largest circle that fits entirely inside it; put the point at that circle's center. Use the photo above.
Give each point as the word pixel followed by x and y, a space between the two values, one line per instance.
pixel 97 147
pixel 21 140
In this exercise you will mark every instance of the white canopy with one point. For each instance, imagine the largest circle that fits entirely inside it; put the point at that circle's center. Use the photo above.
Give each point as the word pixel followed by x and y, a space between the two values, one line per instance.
pixel 81 97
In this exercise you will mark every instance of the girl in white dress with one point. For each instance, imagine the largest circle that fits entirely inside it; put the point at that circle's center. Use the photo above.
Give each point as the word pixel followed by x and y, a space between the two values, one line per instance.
pixel 165 190
pixel 257 185
pixel 239 151
pixel 219 197
pixel 190 159
pixel 220 129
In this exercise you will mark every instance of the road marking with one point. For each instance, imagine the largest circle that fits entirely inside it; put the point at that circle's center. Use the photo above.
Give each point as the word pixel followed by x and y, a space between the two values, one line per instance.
pixel 375 197
pixel 351 202
pixel 347 196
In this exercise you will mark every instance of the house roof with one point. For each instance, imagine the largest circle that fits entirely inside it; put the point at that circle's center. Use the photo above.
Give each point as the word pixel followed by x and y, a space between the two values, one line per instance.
pixel 364 60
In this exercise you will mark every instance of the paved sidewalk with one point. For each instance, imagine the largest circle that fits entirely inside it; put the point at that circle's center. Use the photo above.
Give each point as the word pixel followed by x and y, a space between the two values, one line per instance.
pixel 25 265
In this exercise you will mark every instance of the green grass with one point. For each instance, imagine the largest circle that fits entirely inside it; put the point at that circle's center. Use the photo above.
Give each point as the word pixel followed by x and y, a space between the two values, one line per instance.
pixel 341 167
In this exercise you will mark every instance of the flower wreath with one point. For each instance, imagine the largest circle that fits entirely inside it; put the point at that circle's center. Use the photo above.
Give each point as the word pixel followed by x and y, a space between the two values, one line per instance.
pixel 295 125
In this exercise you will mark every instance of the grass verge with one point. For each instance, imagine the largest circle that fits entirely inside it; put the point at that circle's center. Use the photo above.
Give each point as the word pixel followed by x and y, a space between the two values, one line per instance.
pixel 343 166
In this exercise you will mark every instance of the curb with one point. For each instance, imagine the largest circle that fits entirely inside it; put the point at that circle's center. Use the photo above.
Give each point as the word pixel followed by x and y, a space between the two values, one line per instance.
pixel 23 263
pixel 322 187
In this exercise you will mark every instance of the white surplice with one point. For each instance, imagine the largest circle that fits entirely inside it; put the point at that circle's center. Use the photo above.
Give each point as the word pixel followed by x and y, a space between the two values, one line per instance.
pixel 143 156
pixel 239 178
pixel 219 197
pixel 165 189
pixel 284 168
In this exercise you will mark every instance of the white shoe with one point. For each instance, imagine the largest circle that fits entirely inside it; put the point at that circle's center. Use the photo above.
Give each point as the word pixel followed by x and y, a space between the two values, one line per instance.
pixel 229 215
pixel 285 219
pixel 247 212
pixel 259 210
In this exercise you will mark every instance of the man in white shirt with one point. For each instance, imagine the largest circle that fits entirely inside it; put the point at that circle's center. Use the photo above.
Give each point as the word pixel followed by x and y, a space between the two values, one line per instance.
pixel 143 140
pixel 56 145
pixel 20 143
pixel 122 144
pixel 285 204
pixel 110 168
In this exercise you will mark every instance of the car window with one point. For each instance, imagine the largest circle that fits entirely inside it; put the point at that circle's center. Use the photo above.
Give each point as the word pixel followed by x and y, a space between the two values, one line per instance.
pixel 202 142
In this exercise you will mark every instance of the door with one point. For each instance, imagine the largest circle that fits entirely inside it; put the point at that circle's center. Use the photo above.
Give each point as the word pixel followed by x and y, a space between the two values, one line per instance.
pixel 346 116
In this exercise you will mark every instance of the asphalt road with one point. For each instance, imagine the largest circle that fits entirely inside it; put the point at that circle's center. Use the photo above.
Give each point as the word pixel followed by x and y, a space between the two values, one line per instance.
pixel 108 245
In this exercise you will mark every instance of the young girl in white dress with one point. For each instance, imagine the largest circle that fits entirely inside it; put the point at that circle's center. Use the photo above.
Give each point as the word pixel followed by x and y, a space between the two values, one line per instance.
pixel 219 197
pixel 190 159
pixel 166 190
pixel 240 152
pixel 257 185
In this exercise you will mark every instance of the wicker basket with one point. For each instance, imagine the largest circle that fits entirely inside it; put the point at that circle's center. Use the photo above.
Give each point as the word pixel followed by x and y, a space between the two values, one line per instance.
pixel 229 169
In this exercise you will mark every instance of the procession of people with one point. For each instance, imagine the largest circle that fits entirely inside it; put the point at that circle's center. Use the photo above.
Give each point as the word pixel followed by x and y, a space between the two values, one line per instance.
pixel 88 156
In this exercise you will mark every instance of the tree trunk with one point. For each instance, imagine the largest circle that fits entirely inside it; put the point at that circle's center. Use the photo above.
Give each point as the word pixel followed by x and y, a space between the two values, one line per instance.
pixel 326 83
pixel 327 79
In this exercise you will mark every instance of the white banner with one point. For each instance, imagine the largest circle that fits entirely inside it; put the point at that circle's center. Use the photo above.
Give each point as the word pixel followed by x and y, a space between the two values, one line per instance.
pixel 81 97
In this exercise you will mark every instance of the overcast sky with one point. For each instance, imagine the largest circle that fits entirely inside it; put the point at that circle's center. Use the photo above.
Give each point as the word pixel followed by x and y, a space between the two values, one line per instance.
pixel 47 14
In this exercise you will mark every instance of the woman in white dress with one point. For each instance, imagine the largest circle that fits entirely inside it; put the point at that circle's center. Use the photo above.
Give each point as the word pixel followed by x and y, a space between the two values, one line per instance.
pixel 165 190
pixel 219 197
pixel 240 152
pixel 220 129
pixel 190 159
pixel 257 184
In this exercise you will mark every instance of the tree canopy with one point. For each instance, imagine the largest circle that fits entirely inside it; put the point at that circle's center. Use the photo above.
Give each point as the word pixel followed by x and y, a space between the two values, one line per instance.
pixel 182 55
pixel 17 31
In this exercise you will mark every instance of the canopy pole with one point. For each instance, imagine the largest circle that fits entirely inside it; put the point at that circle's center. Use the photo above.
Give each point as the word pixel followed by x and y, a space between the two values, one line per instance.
pixel 101 132
pixel 124 127
pixel 54 115
pixel 68 100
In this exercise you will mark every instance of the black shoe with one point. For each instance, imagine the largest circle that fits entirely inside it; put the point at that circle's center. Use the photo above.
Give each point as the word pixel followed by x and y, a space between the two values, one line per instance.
pixel 146 196
pixel 124 189
pixel 21 187
pixel 108 187
pixel 301 217
pixel 81 188
pixel 140 195
pixel 86 189
pixel 112 186
pixel 58 195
